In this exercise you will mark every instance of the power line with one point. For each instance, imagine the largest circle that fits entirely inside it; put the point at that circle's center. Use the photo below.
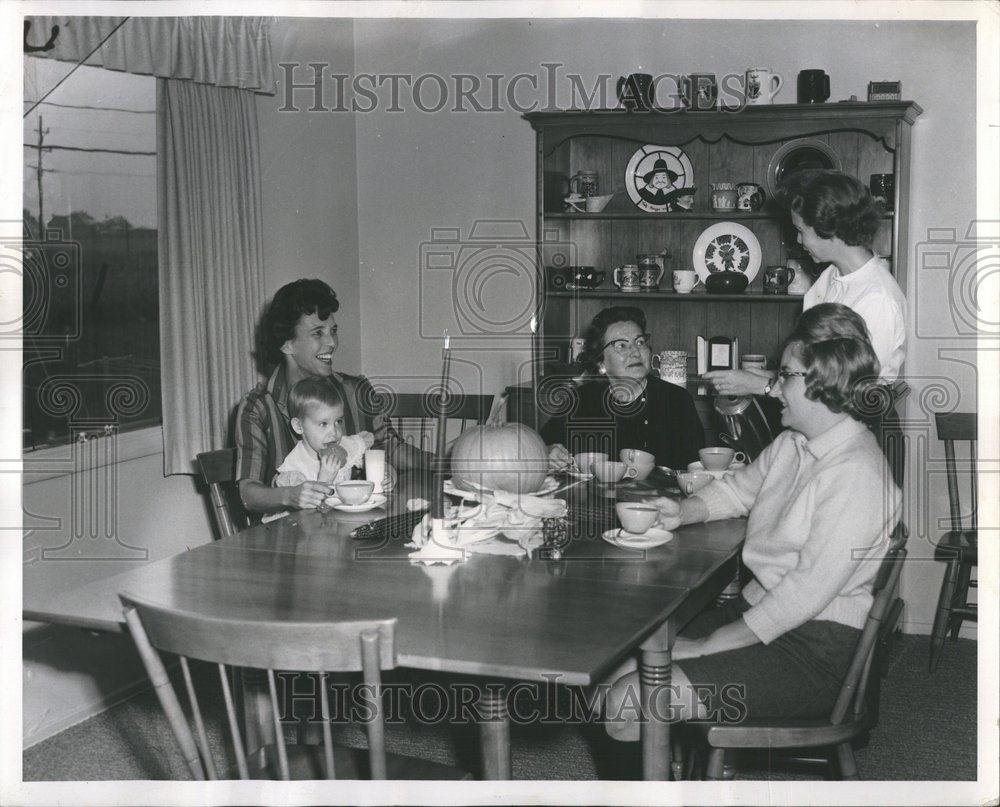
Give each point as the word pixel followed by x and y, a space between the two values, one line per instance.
pixel 98 108
pixel 76 67
pixel 89 150
pixel 91 173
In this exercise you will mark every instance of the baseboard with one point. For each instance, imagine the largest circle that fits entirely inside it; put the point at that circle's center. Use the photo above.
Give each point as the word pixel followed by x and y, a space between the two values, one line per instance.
pixel 967 631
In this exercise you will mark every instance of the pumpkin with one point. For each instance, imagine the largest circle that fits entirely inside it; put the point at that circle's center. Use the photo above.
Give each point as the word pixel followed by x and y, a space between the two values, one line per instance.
pixel 511 458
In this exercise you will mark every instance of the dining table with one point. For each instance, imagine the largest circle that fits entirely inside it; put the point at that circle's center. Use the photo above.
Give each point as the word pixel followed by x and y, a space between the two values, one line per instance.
pixel 569 616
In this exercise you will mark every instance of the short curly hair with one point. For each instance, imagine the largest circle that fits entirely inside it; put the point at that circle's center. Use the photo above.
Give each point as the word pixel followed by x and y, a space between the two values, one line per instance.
pixel 834 204
pixel 289 304
pixel 832 342
pixel 593 337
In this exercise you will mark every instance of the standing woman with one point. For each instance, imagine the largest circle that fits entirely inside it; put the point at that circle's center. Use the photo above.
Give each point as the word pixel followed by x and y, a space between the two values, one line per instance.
pixel 625 404
pixel 836 219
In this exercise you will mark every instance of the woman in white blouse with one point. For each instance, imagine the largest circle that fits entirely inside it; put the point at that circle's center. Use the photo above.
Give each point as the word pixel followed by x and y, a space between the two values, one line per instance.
pixel 820 505
pixel 836 219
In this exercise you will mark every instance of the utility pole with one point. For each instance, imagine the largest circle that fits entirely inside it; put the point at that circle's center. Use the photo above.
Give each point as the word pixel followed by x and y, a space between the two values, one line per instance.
pixel 38 174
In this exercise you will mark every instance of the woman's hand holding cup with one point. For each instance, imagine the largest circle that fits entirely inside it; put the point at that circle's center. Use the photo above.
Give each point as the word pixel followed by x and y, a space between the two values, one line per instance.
pixel 670 512
pixel 559 458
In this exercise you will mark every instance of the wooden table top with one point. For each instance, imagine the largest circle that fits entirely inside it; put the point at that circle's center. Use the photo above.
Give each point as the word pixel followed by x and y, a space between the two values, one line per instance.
pixel 491 615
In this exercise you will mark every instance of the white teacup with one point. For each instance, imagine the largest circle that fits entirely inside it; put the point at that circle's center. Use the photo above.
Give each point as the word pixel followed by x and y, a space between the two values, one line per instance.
pixel 691 482
pixel 585 460
pixel 642 461
pixel 609 472
pixel 685 280
pixel 636 517
pixel 718 458
pixel 357 491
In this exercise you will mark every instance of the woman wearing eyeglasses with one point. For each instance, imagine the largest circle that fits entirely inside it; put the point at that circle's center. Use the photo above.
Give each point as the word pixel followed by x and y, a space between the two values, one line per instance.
pixel 625 405
pixel 820 505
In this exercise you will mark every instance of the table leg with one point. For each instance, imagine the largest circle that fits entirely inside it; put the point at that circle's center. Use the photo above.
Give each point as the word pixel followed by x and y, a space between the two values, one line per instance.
pixel 258 722
pixel 494 732
pixel 654 681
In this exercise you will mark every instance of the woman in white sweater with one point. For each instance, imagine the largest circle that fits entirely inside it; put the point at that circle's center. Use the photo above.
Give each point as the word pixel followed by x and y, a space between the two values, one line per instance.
pixel 820 505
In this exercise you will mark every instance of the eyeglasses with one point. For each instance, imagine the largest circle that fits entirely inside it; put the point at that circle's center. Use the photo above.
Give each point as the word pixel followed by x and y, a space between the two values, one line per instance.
pixel 622 346
pixel 784 375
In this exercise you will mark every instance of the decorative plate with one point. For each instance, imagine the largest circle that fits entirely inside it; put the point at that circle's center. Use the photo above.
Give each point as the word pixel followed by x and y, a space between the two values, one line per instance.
pixel 653 172
pixel 799 155
pixel 727 246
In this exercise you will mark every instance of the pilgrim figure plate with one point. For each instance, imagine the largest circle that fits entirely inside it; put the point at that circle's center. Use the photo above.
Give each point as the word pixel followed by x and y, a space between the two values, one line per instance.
pixel 653 172
pixel 726 247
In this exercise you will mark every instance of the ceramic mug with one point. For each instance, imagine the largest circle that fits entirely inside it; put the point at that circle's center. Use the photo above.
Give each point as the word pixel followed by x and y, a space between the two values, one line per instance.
pixel 813 87
pixel 650 272
pixel 761 86
pixel 628 277
pixel 610 472
pixel 750 196
pixel 636 91
pixel 672 366
pixel 642 461
pixel 636 517
pixel 777 279
pixel 585 183
pixel 724 196
pixel 685 280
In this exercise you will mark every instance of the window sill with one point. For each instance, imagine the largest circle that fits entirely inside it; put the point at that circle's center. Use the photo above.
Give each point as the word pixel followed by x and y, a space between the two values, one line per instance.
pixel 43 464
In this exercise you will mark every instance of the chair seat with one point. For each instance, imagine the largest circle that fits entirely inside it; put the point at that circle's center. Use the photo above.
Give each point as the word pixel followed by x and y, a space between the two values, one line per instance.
pixel 961 545
pixel 305 762
pixel 784 733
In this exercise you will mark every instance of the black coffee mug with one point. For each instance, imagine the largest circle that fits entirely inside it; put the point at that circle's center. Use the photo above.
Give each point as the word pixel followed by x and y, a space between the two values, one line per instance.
pixel 699 91
pixel 635 91
pixel 813 87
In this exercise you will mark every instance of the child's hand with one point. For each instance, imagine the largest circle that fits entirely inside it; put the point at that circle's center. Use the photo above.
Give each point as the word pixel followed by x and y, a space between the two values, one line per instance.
pixel 308 495
pixel 331 461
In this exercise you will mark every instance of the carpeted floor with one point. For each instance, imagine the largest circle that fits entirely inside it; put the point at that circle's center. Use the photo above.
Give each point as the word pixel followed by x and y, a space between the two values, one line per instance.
pixel 926 730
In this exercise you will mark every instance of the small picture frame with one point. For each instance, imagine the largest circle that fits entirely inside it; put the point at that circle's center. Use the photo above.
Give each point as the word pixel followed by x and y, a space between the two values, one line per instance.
pixel 885 91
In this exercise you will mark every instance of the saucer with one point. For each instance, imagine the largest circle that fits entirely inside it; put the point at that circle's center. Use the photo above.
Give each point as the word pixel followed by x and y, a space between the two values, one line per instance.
pixel 376 500
pixel 697 466
pixel 654 536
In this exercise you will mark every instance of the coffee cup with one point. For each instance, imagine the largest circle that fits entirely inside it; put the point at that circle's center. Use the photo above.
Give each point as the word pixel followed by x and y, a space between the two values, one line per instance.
pixel 610 472
pixel 671 365
pixel 813 87
pixel 753 361
pixel 691 482
pixel 685 280
pixel 585 460
pixel 718 458
pixel 636 517
pixel 642 461
pixel 357 491
pixel 761 86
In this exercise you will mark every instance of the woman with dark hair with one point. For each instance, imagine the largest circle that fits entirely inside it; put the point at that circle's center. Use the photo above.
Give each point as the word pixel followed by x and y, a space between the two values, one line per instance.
pixel 836 219
pixel 625 405
pixel 820 506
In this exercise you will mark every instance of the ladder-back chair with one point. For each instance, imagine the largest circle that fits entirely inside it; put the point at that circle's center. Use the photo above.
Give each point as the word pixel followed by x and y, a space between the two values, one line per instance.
pixel 959 547
pixel 415 414
pixel 856 708
pixel 315 647
pixel 218 470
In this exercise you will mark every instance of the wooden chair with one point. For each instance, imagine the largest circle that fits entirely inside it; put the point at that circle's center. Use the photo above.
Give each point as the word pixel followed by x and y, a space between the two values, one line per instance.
pixel 856 709
pixel 218 469
pixel 958 547
pixel 416 412
pixel 316 647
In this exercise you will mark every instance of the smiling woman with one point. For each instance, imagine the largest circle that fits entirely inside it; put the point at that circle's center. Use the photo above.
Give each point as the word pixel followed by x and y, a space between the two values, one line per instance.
pixel 625 405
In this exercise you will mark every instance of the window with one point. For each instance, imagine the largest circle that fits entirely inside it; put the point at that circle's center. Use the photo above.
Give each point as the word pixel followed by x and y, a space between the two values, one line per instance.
pixel 91 314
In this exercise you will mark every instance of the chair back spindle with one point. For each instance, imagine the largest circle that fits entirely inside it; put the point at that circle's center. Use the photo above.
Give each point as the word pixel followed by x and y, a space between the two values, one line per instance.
pixel 218 470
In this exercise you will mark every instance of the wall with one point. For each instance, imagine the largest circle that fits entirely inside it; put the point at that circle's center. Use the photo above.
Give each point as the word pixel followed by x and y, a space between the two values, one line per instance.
pixel 418 171
pixel 308 174
pixel 310 217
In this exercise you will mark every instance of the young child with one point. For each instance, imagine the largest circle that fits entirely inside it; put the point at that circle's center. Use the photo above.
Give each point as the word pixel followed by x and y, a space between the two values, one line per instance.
pixel 325 453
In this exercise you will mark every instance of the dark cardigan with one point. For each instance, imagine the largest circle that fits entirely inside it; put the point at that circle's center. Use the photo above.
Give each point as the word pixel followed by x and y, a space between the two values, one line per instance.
pixel 662 421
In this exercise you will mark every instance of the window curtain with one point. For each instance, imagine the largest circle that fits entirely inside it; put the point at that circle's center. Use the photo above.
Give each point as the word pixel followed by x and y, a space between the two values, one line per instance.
pixel 210 256
pixel 222 51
